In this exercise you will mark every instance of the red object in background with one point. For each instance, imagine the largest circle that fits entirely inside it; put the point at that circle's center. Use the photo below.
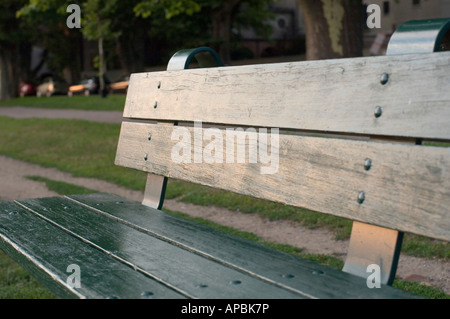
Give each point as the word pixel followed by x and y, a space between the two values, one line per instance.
pixel 26 88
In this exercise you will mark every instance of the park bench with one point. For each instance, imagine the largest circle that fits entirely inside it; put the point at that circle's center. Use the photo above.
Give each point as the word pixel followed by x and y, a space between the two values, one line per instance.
pixel 343 137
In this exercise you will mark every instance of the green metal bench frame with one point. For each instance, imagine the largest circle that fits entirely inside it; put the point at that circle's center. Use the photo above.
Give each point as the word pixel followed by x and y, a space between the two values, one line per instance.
pixel 104 246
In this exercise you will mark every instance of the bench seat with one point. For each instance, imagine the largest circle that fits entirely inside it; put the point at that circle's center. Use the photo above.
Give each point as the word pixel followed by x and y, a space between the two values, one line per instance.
pixel 128 250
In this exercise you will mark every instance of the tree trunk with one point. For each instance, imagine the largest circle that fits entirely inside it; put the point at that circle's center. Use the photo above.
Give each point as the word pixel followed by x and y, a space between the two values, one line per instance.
pixel 101 68
pixel 334 28
pixel 76 45
pixel 6 76
pixel 222 19
pixel 131 49
pixel 14 65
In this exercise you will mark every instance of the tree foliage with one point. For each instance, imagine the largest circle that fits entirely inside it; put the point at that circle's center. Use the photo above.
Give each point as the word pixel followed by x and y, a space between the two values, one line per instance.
pixel 146 31
pixel 171 8
pixel 112 19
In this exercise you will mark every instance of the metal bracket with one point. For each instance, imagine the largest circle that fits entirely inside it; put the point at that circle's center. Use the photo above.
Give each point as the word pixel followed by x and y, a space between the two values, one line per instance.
pixel 206 58
pixel 155 187
pixel 420 36
pixel 371 244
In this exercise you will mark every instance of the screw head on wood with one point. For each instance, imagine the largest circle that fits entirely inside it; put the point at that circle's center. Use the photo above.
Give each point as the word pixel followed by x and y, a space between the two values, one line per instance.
pixel 149 136
pixel 155 105
pixel 361 197
pixel 378 111
pixel 201 286
pixel 146 156
pixel 384 78
pixel 367 164
pixel 159 84
pixel 147 294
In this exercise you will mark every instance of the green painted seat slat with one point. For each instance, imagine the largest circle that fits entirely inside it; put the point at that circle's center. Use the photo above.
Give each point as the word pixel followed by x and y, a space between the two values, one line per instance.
pixel 190 274
pixel 264 262
pixel 46 251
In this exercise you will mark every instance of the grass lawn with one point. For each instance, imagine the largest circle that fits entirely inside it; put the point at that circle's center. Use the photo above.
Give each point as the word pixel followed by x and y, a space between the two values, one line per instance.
pixel 88 149
pixel 113 102
pixel 79 147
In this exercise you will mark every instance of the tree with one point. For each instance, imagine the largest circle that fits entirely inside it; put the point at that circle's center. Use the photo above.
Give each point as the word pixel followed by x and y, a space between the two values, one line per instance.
pixel 52 34
pixel 222 15
pixel 334 28
pixel 132 35
pixel 15 48
pixel 97 22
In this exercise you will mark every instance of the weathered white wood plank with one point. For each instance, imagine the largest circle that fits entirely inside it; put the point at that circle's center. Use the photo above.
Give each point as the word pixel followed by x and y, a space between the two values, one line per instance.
pixel 407 187
pixel 329 95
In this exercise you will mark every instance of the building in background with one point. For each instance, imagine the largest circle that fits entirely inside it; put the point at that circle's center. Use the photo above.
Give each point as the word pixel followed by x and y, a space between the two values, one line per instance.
pixel 396 12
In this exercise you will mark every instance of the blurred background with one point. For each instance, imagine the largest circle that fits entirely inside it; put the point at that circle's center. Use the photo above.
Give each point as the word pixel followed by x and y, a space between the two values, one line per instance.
pixel 40 55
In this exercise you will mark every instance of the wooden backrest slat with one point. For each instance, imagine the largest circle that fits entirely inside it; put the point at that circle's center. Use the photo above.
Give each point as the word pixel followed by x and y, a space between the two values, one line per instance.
pixel 329 95
pixel 398 186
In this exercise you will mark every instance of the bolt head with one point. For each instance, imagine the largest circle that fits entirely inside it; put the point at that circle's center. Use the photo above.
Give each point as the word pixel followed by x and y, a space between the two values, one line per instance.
pixel 378 111
pixel 367 164
pixel 384 78
pixel 147 294
pixel 201 286
pixel 361 197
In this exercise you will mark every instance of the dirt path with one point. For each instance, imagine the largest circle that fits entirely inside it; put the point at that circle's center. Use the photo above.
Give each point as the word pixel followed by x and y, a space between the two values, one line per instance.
pixel 15 185
pixel 20 112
